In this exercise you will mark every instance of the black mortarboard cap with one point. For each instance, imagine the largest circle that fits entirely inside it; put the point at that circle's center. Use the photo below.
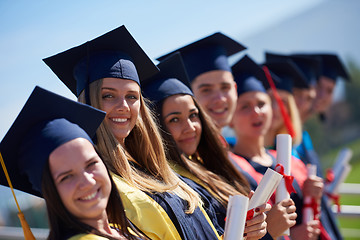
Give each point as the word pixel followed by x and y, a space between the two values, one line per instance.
pixel 171 80
pixel 114 54
pixel 332 67
pixel 249 76
pixel 207 54
pixel 288 74
pixel 309 66
pixel 46 121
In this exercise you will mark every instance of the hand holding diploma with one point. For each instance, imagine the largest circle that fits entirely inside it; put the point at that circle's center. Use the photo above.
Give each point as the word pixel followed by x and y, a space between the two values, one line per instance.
pixel 236 217
pixel 310 207
pixel 257 203
pixel 283 159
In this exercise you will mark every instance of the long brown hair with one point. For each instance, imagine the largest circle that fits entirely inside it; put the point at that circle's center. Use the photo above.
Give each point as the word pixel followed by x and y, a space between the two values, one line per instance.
pixel 63 224
pixel 144 146
pixel 216 170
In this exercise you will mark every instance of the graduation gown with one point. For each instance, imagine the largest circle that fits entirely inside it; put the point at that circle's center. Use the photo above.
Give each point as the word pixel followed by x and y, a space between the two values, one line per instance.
pixel 215 210
pixel 243 166
pixel 211 203
pixel 257 171
pixel 87 237
pixel 162 215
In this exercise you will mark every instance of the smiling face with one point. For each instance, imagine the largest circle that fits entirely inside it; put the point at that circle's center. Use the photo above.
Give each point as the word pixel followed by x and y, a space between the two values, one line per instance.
pixel 81 179
pixel 181 118
pixel 304 99
pixel 216 93
pixel 120 99
pixel 252 117
pixel 324 94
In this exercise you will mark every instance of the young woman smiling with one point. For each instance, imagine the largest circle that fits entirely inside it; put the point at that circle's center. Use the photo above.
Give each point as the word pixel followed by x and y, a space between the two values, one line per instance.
pixel 107 76
pixel 49 153
pixel 194 147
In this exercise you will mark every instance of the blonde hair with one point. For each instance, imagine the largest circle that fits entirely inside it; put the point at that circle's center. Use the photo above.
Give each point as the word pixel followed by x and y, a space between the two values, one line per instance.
pixel 138 148
pixel 295 121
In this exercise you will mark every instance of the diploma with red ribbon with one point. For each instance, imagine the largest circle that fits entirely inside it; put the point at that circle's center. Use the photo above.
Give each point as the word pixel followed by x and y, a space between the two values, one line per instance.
pixel 236 216
pixel 283 160
pixel 339 171
pixel 337 175
pixel 310 207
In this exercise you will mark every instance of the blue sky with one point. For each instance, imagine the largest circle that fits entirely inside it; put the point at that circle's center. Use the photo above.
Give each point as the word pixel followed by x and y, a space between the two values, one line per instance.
pixel 33 30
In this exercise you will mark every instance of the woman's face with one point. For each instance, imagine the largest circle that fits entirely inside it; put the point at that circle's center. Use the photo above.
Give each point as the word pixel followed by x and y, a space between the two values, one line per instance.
pixel 181 118
pixel 120 99
pixel 277 119
pixel 81 179
pixel 253 115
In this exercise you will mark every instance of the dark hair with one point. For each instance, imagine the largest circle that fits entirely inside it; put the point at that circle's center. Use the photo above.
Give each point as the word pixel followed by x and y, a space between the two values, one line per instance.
pixel 216 170
pixel 63 224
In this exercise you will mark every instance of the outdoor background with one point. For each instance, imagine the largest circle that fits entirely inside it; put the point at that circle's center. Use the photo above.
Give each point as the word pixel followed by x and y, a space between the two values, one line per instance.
pixel 33 30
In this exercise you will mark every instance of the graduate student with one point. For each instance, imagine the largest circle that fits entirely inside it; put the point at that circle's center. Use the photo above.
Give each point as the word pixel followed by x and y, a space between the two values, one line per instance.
pixel 288 74
pixel 48 152
pixel 251 121
pixel 106 73
pixel 206 62
pixel 331 70
pixel 213 85
pixel 194 148
pixel 304 98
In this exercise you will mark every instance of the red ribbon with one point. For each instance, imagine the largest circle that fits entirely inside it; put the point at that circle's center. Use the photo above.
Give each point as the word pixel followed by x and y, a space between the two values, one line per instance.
pixel 287 178
pixel 330 176
pixel 283 110
pixel 336 199
pixel 314 206
pixel 250 214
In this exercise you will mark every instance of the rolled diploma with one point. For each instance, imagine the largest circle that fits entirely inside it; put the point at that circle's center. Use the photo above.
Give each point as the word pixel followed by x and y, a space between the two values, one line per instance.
pixel 265 189
pixel 340 177
pixel 283 156
pixel 236 217
pixel 308 212
pixel 343 158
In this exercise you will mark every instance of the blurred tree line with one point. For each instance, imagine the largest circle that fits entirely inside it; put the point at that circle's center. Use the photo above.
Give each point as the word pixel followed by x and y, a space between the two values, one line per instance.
pixel 342 124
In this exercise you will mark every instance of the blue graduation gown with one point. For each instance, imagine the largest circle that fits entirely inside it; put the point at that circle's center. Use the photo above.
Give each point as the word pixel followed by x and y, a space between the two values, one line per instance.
pixel 249 178
pixel 215 210
pixel 190 226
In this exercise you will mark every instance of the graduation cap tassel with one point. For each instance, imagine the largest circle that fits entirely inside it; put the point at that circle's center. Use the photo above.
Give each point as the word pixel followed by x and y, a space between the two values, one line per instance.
pixel 284 113
pixel 28 235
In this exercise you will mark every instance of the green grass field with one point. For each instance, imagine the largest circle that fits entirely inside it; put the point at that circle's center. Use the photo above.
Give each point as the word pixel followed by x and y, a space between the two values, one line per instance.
pixel 350 227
